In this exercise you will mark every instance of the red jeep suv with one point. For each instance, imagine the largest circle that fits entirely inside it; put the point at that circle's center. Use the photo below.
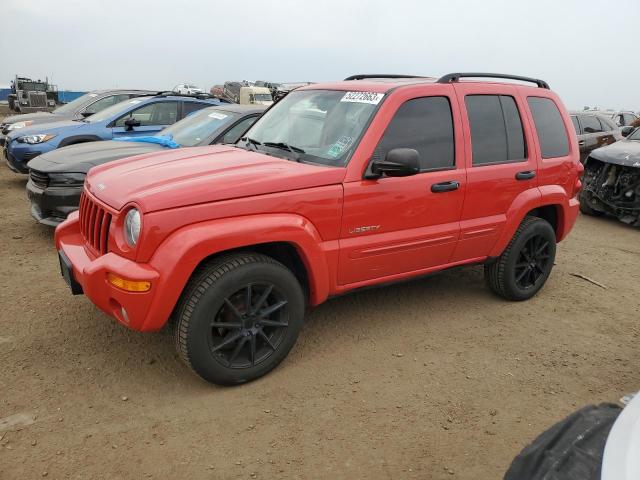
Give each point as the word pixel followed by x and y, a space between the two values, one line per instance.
pixel 338 186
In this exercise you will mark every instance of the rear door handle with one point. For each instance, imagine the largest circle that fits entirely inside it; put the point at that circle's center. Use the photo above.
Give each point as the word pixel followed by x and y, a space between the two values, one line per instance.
pixel 445 186
pixel 581 143
pixel 528 175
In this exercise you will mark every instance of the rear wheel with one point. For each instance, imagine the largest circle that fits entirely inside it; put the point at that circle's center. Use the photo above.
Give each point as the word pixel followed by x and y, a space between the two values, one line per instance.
pixel 524 266
pixel 238 318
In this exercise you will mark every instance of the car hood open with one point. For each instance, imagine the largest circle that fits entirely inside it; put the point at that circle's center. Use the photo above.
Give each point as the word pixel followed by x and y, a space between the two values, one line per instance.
pixel 176 178
pixel 81 157
pixel 624 152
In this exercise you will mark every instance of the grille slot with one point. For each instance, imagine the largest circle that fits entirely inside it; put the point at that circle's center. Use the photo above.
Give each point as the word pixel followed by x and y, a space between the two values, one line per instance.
pixel 39 179
pixel 94 224
pixel 37 99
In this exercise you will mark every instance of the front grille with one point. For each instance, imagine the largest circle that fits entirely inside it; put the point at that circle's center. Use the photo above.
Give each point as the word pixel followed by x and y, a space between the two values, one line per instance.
pixel 39 179
pixel 94 224
pixel 37 99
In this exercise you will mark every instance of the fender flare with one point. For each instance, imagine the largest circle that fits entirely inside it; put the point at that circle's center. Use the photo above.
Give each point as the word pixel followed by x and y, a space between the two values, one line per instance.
pixel 528 200
pixel 180 253
pixel 78 139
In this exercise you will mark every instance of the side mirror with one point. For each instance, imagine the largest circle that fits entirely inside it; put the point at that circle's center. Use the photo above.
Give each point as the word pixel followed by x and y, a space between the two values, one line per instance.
pixel 131 122
pixel 399 162
pixel 626 131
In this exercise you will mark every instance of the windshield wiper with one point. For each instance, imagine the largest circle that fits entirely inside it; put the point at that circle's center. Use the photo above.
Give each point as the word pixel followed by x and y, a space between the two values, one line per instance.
pixel 251 141
pixel 286 146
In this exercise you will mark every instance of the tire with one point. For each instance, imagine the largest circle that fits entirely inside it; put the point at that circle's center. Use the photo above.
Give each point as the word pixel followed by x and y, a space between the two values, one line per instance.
pixel 507 276
pixel 586 208
pixel 222 340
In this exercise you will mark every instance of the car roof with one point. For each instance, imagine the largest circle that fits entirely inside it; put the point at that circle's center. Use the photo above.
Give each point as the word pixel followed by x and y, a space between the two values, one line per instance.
pixel 593 113
pixel 384 83
pixel 120 90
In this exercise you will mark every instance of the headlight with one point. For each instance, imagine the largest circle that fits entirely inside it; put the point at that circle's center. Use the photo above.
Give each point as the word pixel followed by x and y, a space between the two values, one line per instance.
pixel 32 139
pixel 132 225
pixel 66 179
pixel 15 126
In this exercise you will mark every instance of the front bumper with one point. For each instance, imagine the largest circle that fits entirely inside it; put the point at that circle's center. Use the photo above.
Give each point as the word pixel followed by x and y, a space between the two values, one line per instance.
pixel 18 155
pixel 90 272
pixel 51 206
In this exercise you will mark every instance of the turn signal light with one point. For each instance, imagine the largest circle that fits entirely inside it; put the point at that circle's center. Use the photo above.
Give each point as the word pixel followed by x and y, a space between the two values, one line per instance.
pixel 128 285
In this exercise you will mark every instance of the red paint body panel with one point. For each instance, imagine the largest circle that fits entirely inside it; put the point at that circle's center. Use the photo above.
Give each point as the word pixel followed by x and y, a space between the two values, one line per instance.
pixel 348 231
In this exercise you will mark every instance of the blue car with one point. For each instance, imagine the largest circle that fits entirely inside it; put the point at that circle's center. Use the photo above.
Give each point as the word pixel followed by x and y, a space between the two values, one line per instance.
pixel 137 116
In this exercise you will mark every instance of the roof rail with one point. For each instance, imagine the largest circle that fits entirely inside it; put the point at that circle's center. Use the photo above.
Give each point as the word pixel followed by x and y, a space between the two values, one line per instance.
pixel 379 75
pixel 454 77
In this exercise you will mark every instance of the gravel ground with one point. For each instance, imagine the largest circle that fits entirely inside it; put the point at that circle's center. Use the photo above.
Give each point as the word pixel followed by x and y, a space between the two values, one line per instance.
pixel 434 378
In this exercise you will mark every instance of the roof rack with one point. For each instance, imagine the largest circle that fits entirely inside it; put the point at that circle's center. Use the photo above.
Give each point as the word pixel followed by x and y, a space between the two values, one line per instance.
pixel 454 77
pixel 204 95
pixel 379 75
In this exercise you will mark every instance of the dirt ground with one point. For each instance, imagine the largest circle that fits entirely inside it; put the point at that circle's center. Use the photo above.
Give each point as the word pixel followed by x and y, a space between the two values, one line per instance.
pixel 434 378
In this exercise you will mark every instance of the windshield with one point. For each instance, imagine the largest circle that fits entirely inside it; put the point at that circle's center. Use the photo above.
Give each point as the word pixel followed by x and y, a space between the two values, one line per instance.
pixel 635 135
pixel 261 97
pixel 31 86
pixel 199 126
pixel 322 126
pixel 75 104
pixel 113 110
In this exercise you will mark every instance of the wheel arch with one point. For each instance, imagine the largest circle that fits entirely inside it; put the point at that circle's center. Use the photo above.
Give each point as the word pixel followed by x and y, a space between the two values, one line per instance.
pixel 78 139
pixel 289 238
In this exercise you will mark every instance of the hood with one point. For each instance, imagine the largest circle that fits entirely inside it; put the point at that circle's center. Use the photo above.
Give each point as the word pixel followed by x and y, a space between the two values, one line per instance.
pixel 187 176
pixel 49 127
pixel 81 157
pixel 621 460
pixel 36 117
pixel 624 152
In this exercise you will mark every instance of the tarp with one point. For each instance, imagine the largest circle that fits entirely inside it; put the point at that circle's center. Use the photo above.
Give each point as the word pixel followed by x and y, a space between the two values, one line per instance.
pixel 164 140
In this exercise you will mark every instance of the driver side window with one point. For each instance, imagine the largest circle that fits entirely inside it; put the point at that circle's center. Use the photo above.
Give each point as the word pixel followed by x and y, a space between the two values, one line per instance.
pixel 158 113
pixel 426 125
pixel 101 104
pixel 234 133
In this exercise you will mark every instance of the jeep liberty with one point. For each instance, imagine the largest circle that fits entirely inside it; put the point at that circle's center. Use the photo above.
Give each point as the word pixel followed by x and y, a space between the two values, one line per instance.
pixel 338 186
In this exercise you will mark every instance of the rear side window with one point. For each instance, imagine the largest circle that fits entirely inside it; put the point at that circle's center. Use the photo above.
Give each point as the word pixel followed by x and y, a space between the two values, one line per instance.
pixel 426 125
pixel 496 129
pixel 576 125
pixel 550 127
pixel 190 107
pixel 590 124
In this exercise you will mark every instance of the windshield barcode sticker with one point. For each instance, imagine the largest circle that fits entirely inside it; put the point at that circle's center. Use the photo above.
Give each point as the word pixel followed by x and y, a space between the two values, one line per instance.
pixel 362 97
pixel 217 115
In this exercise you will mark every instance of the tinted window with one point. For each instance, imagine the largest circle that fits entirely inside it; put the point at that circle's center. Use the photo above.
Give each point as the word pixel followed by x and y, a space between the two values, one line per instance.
pixel 426 125
pixel 628 118
pixel 157 113
pixel 550 127
pixel 590 124
pixel 496 129
pixel 190 107
pixel 607 124
pixel 576 125
pixel 234 133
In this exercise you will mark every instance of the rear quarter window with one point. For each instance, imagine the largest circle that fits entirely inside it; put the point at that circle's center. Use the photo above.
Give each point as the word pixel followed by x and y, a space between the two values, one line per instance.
pixel 552 134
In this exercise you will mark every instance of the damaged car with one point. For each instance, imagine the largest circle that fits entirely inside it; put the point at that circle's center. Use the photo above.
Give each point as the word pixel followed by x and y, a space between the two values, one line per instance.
pixel 611 181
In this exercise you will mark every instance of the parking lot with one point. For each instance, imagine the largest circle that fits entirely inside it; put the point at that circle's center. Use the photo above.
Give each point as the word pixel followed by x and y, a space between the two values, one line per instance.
pixel 434 378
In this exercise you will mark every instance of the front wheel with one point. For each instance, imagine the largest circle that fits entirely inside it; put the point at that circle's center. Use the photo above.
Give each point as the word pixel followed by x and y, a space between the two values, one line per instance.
pixel 524 266
pixel 238 318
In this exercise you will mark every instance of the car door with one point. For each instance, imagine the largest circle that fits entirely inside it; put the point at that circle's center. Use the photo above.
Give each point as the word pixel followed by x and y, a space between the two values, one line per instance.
pixel 395 225
pixel 594 135
pixel 500 164
pixel 581 137
pixel 150 118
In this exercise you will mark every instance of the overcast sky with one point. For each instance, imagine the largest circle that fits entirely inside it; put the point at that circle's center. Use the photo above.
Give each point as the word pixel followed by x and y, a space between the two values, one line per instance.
pixel 579 47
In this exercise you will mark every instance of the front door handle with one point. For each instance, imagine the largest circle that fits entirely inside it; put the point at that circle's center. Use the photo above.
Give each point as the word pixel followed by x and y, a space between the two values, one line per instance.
pixel 445 186
pixel 528 175
pixel 581 143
